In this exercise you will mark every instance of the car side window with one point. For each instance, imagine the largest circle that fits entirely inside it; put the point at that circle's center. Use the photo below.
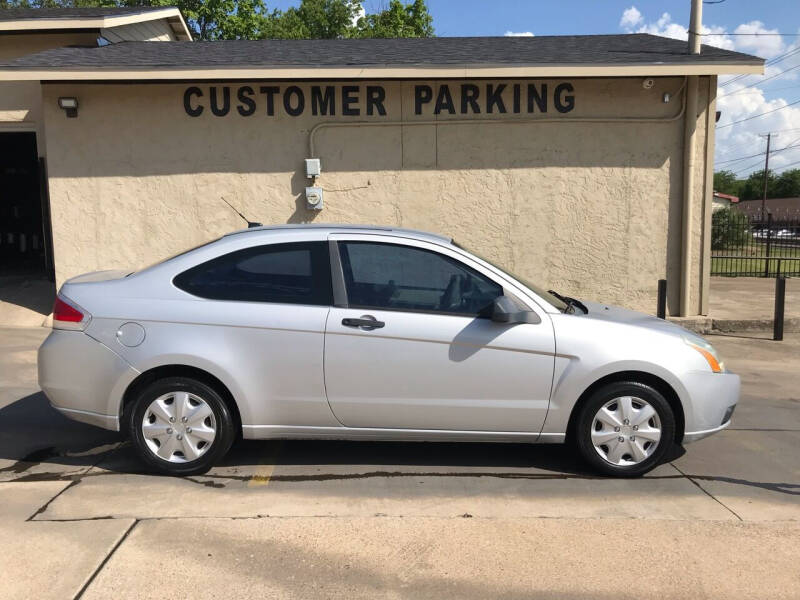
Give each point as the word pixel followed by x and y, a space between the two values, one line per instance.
pixel 293 273
pixel 396 277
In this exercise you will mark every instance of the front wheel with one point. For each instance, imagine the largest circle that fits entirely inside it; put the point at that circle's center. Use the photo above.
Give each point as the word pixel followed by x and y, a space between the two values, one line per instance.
pixel 180 426
pixel 625 429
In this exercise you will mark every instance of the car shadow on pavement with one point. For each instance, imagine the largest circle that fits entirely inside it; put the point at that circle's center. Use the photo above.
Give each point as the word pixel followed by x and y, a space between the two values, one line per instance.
pixel 35 438
pixel 33 433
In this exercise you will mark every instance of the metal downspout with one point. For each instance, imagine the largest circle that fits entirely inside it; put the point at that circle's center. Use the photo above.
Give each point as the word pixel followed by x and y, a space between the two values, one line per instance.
pixel 689 140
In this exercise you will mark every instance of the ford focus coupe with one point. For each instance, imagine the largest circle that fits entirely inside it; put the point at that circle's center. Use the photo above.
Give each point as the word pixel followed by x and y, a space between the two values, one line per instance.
pixel 369 333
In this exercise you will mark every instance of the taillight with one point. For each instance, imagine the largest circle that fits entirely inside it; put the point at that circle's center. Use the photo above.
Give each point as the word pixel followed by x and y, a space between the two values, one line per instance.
pixel 66 315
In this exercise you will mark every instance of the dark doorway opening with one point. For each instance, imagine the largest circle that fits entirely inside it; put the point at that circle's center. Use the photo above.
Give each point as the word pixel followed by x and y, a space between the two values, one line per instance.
pixel 24 212
pixel 27 277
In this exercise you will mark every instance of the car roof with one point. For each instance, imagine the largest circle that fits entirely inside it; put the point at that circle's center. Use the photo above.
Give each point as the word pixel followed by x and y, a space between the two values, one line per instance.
pixel 334 228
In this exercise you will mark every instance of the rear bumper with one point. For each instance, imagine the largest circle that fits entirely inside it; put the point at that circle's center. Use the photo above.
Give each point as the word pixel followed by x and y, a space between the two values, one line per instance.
pixel 92 418
pixel 81 378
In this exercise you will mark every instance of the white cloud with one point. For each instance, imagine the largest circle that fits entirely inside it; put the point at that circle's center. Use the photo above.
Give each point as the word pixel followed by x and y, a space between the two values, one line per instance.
pixel 736 100
pixel 631 18
pixel 665 26
pixel 767 46
pixel 743 139
pixel 518 34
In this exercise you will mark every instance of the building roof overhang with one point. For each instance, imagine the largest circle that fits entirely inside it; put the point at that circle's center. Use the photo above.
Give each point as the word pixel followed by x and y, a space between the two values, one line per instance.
pixel 629 55
pixel 63 21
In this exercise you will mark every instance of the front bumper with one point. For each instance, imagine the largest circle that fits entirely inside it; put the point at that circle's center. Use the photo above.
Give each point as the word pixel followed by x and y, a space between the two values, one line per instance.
pixel 712 399
pixel 80 377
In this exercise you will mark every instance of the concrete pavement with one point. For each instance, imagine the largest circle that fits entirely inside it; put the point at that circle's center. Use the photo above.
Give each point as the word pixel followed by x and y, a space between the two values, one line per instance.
pixel 745 304
pixel 335 519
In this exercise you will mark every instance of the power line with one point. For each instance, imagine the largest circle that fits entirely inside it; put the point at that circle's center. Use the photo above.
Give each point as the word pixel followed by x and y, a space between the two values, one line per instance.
pixel 770 62
pixel 789 146
pixel 750 91
pixel 754 155
pixel 729 148
pixel 755 34
pixel 748 168
pixel 797 162
pixel 771 77
pixel 759 115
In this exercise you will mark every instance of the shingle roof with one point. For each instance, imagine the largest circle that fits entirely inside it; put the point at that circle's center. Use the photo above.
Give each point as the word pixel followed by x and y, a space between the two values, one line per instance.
pixel 25 14
pixel 593 50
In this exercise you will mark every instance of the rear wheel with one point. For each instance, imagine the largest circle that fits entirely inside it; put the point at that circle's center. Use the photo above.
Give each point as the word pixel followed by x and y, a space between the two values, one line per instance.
pixel 625 429
pixel 180 426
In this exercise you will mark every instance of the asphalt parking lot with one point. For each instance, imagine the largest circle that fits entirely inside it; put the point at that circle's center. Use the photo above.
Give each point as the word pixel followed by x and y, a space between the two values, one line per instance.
pixel 79 517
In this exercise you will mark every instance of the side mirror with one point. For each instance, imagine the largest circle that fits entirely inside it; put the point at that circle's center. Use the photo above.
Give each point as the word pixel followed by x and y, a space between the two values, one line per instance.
pixel 505 310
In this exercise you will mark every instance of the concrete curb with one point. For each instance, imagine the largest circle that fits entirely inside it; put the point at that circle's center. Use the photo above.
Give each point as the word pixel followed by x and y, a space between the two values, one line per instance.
pixel 704 325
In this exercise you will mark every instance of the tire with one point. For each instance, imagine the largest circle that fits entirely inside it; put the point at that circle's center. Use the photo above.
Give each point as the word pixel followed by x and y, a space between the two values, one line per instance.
pixel 619 456
pixel 184 445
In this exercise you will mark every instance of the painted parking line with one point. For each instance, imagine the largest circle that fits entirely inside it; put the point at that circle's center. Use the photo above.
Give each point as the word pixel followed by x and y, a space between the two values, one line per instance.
pixel 263 472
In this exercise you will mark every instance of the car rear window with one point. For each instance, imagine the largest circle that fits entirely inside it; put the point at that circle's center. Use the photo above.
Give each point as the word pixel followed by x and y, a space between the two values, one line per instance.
pixel 294 273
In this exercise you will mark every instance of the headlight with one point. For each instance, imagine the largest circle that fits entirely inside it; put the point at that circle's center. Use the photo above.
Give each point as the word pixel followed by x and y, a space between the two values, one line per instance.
pixel 708 352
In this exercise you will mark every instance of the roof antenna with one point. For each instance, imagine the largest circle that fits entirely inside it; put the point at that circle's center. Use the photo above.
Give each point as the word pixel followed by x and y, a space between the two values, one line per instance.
pixel 250 224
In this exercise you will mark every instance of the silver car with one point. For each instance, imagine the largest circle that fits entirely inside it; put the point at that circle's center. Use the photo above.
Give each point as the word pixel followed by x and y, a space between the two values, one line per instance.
pixel 369 333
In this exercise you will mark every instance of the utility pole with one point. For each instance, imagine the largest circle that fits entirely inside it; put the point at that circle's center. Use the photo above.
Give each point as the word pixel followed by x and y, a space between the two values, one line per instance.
pixel 766 177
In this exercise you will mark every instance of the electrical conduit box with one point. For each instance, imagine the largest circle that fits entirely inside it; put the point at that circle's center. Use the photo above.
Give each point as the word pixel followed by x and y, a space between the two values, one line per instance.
pixel 313 168
pixel 314 198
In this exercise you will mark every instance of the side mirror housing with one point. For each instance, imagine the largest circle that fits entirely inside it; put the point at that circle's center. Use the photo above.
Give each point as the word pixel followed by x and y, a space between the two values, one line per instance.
pixel 505 310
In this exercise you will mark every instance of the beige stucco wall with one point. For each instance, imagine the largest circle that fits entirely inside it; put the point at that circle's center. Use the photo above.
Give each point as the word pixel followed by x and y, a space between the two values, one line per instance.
pixel 590 208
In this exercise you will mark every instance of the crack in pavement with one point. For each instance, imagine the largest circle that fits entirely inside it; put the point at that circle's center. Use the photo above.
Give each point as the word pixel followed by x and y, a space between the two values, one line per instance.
pixel 105 560
pixel 709 494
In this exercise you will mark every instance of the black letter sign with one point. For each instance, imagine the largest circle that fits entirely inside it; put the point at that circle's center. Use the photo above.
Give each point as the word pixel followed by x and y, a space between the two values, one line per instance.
pixel 270 91
pixel 444 101
pixel 422 95
pixel 226 101
pixel 348 100
pixel 293 90
pixel 323 104
pixel 375 97
pixel 469 97
pixel 567 103
pixel 495 96
pixel 187 101
pixel 248 105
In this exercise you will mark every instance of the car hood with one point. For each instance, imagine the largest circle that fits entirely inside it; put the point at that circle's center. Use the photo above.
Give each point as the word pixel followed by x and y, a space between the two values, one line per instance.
pixel 617 314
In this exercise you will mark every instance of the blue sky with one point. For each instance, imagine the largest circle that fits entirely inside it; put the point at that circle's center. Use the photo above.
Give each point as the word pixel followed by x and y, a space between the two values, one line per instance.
pixel 743 98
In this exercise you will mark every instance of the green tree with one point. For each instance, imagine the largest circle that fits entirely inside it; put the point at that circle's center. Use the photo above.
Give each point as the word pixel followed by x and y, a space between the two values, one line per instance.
pixel 397 21
pixel 787 185
pixel 729 228
pixel 250 19
pixel 752 188
pixel 314 19
pixel 726 182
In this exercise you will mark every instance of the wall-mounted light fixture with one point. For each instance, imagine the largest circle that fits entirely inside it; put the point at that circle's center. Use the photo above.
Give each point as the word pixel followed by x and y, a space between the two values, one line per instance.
pixel 69 105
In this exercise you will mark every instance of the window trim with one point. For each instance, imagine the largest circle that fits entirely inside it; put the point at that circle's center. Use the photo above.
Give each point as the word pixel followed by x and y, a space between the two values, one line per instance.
pixel 323 247
pixel 338 280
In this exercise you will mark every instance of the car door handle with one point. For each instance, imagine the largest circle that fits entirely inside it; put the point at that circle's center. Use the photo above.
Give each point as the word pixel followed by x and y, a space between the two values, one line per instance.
pixel 364 323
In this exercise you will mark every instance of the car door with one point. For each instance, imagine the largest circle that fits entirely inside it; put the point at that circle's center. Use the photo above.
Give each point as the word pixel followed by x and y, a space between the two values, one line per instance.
pixel 410 345
pixel 263 311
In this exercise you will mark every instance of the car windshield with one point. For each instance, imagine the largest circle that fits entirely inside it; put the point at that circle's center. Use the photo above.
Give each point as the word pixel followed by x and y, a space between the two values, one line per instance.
pixel 542 293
